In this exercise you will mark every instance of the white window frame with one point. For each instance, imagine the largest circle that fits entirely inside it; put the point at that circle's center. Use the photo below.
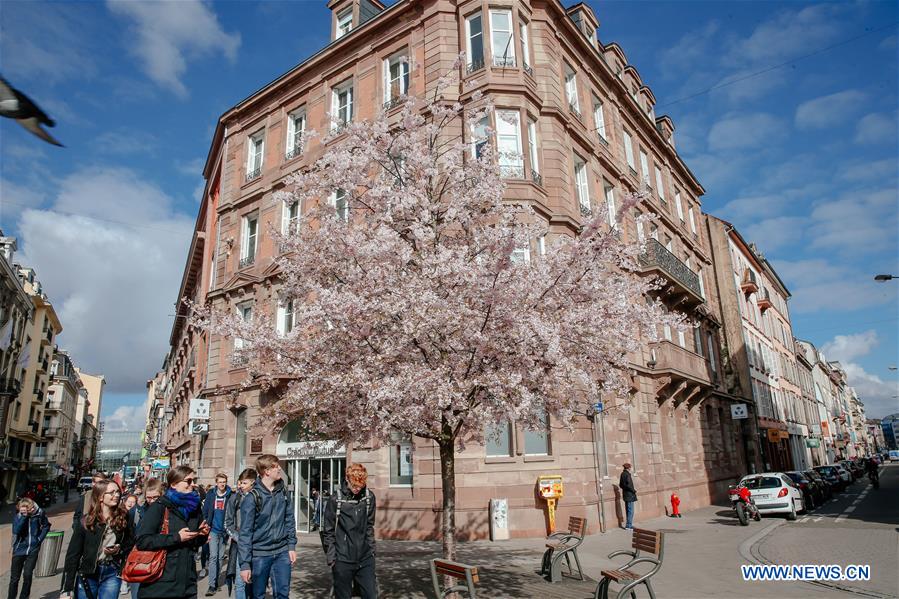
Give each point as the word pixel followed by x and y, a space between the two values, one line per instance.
pixel 402 77
pixel 521 255
pixel 498 54
pixel 286 318
pixel 610 204
pixel 344 23
pixel 245 311
pixel 525 43
pixel 508 143
pixel 296 127
pixel 660 186
pixel 535 434
pixel 599 118
pixel 246 236
pixel 571 88
pixel 505 433
pixel 290 223
pixel 644 168
pixel 532 146
pixel 480 135
pixel 691 218
pixel 541 245
pixel 336 120
pixel 581 185
pixel 469 39
pixel 628 150
pixel 344 213
pixel 255 151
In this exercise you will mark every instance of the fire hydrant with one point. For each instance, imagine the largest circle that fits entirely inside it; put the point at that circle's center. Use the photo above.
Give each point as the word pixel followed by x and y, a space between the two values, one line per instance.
pixel 675 506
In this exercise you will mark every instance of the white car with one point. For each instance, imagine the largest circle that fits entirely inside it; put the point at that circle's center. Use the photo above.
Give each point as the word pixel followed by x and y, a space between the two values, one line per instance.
pixel 774 493
pixel 845 475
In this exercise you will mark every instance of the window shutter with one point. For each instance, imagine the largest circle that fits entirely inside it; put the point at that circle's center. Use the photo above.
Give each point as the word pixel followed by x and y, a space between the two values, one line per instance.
pixel 279 322
pixel 386 79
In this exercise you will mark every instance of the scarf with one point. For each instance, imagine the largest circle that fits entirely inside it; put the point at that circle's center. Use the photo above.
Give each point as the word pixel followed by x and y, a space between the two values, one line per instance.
pixel 187 503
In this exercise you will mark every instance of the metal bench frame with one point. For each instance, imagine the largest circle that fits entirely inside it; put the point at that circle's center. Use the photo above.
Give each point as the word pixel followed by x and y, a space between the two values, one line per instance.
pixel 647 541
pixel 442 567
pixel 564 544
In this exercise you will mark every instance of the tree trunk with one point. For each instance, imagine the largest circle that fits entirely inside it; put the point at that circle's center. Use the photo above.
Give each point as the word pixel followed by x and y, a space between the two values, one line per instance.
pixel 448 480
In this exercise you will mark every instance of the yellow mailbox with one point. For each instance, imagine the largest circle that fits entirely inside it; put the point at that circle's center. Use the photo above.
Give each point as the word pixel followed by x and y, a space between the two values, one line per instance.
pixel 550 488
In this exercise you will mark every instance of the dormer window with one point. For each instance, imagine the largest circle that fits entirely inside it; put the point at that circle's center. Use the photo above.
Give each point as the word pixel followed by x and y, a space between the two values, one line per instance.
pixel 344 23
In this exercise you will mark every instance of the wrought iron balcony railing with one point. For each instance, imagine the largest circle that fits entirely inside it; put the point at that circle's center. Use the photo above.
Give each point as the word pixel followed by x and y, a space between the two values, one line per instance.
pixel 394 102
pixel 536 177
pixel 296 150
pixel 528 69
pixel 503 61
pixel 253 174
pixel 474 66
pixel 512 171
pixel 247 261
pixel 657 256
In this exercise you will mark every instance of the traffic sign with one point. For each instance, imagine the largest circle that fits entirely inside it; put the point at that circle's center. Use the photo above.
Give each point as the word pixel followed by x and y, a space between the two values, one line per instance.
pixel 739 411
pixel 598 406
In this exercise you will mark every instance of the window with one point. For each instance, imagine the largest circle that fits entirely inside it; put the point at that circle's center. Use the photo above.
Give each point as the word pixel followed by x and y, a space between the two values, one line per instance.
pixel 400 459
pixel 644 168
pixel 678 206
pixel 641 235
pixel 521 255
pixel 501 38
pixel 701 284
pixel 396 77
pixel 525 45
pixel 681 338
pixel 660 187
pixel 571 89
pixel 541 245
pixel 508 142
pixel 628 150
pixel 342 105
pixel 479 137
pixel 344 23
pixel 255 151
pixel 537 442
pixel 697 340
pixel 499 440
pixel 713 364
pixel 599 119
pixel 296 127
pixel 532 148
pixel 248 239
pixel 610 204
pixel 474 32
pixel 286 320
pixel 245 311
pixel 580 183
pixel 341 205
pixel 290 217
pixel 690 218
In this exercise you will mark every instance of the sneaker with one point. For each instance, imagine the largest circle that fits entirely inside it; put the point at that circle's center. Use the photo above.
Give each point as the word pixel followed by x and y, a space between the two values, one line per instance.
pixel 211 592
pixel 202 573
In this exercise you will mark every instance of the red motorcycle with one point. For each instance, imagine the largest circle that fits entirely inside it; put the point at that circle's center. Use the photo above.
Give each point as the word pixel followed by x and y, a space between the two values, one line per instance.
pixel 741 501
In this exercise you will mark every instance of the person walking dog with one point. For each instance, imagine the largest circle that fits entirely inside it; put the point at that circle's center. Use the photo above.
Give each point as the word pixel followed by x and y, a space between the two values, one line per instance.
pixel 29 529
pixel 628 494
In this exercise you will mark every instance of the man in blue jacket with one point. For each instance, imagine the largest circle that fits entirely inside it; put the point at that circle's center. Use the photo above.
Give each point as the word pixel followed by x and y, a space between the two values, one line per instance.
pixel 267 539
pixel 29 528
pixel 214 515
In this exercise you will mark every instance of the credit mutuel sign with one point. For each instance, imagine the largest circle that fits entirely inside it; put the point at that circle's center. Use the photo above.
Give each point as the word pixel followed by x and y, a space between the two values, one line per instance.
pixel 311 449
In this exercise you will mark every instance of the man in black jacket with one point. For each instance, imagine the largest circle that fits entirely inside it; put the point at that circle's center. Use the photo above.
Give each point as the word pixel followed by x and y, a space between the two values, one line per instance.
pixel 628 494
pixel 348 535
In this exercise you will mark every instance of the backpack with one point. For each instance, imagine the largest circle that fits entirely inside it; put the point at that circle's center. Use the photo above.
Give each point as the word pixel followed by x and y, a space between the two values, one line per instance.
pixel 341 500
pixel 257 499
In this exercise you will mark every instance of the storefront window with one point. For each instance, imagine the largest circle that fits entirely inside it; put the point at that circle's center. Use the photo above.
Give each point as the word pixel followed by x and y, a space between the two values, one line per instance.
pixel 401 459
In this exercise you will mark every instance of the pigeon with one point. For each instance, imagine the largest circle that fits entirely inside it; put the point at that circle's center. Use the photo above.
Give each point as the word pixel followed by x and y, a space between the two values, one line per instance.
pixel 16 105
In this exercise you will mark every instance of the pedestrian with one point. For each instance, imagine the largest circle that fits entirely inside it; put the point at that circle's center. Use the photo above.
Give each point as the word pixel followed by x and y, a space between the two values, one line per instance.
pixel 214 515
pixel 180 508
pixel 154 489
pixel 348 535
pixel 83 506
pixel 203 555
pixel 316 509
pixel 245 482
pixel 628 494
pixel 268 532
pixel 99 546
pixel 29 528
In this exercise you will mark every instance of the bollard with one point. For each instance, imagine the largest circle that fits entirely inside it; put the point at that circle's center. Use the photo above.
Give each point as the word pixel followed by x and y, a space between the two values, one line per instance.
pixel 675 505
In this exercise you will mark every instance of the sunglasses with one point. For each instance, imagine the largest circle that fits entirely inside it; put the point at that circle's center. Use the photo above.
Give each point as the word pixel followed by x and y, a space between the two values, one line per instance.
pixel 190 480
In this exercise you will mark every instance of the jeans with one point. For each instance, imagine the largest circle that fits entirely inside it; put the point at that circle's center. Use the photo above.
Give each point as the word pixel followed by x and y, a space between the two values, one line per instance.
pixel 22 566
pixel 134 587
pixel 240 587
pixel 105 585
pixel 275 566
pixel 363 573
pixel 217 542
pixel 629 510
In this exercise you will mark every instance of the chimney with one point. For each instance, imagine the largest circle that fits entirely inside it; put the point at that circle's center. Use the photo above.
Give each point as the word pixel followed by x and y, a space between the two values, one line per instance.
pixel 585 20
pixel 347 15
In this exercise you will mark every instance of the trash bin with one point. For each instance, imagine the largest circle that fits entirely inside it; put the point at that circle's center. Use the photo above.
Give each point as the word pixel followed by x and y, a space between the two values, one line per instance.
pixel 48 555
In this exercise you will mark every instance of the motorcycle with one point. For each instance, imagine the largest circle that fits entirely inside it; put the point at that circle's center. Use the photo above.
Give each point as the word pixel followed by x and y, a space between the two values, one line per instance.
pixel 744 506
pixel 875 479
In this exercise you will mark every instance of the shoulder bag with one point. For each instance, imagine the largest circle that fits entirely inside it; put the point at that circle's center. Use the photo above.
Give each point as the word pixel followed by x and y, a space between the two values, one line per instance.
pixel 146 566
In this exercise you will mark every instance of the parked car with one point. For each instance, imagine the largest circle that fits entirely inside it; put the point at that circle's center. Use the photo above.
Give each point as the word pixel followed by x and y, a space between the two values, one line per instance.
pixel 844 473
pixel 894 455
pixel 831 474
pixel 811 496
pixel 774 493
pixel 855 468
pixel 824 488
pixel 85 483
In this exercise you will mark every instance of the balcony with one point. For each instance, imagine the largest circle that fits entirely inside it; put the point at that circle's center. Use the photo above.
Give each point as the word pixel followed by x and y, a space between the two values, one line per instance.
pixel 48 337
pixel 51 432
pixel 393 102
pixel 474 66
pixel 764 301
pixel 40 459
pixel 253 174
pixel 504 61
pixel 528 69
pixel 511 171
pixel 681 282
pixel 536 177
pixel 575 111
pixel 585 208
pixel 680 375
pixel 749 284
pixel 294 152
pixel 246 261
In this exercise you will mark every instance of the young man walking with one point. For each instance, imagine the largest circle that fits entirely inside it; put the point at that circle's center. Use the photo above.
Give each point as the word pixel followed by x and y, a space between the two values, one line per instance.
pixel 232 527
pixel 348 535
pixel 29 528
pixel 267 538
pixel 628 494
pixel 214 515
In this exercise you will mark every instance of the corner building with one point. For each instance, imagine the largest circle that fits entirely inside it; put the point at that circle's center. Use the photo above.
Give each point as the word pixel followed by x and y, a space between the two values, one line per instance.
pixel 583 126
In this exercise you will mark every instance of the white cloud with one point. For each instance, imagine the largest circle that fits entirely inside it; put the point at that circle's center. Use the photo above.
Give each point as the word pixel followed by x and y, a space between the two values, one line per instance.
pixel 127 418
pixel 819 285
pixel 824 111
pixel 876 128
pixel 749 130
pixel 884 171
pixel 123 141
pixel 105 253
pixel 879 396
pixel 856 223
pixel 775 233
pixel 847 348
pixel 167 34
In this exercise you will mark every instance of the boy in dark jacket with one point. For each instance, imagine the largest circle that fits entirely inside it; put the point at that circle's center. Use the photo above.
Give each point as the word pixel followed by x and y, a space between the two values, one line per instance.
pixel 245 482
pixel 214 515
pixel 268 532
pixel 29 528
pixel 348 535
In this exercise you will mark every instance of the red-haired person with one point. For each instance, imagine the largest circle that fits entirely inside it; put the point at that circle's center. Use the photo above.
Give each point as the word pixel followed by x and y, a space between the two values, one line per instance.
pixel 100 543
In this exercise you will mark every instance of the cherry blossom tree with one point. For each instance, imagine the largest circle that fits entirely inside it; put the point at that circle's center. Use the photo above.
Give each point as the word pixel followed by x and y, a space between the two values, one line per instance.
pixel 421 304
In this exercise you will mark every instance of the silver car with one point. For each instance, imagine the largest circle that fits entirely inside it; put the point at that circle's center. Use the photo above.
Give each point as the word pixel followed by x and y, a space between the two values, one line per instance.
pixel 845 475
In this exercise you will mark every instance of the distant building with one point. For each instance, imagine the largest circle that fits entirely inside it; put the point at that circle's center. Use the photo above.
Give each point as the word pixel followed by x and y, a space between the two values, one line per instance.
pixel 890 428
pixel 118 448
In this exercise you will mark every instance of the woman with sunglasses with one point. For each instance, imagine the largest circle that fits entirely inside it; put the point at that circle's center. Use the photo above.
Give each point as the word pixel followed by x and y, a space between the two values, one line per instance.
pixel 100 543
pixel 186 533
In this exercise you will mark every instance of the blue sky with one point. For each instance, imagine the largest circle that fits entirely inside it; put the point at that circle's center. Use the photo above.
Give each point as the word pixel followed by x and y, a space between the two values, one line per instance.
pixel 787 112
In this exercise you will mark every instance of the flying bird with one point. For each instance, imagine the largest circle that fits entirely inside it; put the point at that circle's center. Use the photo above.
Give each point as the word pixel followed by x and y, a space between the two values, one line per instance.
pixel 16 105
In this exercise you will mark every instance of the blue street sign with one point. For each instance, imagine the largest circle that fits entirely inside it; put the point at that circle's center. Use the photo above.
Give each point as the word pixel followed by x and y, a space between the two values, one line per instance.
pixel 598 406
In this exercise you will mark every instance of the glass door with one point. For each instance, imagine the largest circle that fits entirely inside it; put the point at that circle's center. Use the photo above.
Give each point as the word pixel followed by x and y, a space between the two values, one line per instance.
pixel 302 495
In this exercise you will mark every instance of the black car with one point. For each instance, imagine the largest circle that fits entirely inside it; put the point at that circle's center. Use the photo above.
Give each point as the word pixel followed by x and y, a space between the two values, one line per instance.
pixel 831 476
pixel 808 489
pixel 826 492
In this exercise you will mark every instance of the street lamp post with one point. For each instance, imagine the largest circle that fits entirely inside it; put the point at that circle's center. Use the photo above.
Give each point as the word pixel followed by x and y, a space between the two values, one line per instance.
pixel 884 278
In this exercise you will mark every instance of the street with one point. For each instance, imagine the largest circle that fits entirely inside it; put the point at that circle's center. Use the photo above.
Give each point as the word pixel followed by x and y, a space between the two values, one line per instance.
pixel 703 553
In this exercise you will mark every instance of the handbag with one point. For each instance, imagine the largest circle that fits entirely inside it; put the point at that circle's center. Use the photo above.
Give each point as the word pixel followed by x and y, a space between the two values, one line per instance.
pixel 146 566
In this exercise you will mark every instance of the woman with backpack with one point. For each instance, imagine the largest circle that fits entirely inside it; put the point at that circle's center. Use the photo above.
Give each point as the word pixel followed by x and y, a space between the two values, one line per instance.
pixel 173 524
pixel 100 543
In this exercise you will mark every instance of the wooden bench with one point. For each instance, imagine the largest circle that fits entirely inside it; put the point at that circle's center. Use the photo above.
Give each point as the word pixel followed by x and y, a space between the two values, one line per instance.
pixel 441 567
pixel 564 544
pixel 644 543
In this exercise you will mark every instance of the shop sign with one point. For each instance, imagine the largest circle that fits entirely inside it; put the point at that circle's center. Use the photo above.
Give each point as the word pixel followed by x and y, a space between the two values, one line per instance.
pixel 160 464
pixel 812 443
pixel 773 435
pixel 784 435
pixel 739 411
pixel 312 449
